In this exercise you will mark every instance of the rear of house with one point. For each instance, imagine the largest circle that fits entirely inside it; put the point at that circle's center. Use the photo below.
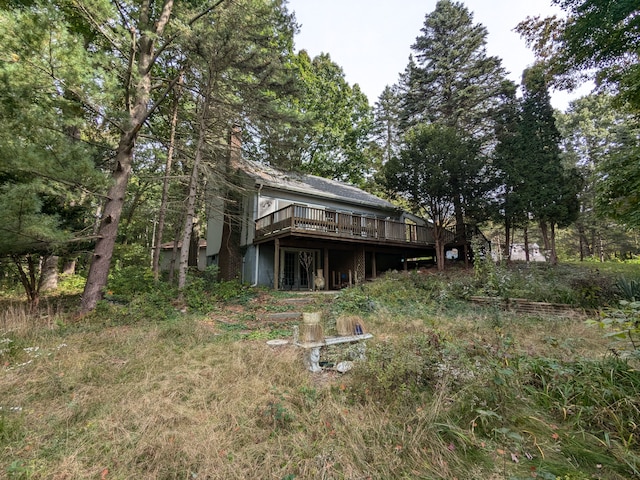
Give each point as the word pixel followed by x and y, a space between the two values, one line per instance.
pixel 293 231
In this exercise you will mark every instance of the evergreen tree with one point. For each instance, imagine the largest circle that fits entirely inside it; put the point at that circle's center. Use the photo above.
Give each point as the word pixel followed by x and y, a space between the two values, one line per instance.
pixel 386 126
pixel 425 174
pixel 453 82
pixel 47 170
pixel 550 190
pixel 511 172
pixel 593 130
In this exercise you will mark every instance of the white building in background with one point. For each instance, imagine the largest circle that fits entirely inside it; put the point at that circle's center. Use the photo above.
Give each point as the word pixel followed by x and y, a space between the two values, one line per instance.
pixel 517 252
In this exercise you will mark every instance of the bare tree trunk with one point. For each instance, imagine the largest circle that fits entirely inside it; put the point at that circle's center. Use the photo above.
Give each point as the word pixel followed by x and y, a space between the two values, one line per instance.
pixel 193 190
pixel 69 267
pixel 174 254
pixel 507 243
pixel 439 241
pixel 108 230
pixel 554 255
pixel 526 243
pixel 461 235
pixel 31 279
pixel 544 229
pixel 165 185
pixel 139 110
pixel 49 273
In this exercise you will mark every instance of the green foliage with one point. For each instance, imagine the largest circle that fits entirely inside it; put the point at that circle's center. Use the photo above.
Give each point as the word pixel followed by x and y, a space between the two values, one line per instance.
pixel 128 281
pixel 203 295
pixel 623 325
pixel 568 390
pixel 353 301
pixel 276 413
pixel 331 141
pixel 398 370
pixel 453 82
pixel 629 289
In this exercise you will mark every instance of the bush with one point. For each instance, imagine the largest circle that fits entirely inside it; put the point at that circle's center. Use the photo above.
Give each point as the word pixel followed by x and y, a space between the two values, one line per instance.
pixel 397 369
pixel 131 280
pixel 623 325
pixel 628 290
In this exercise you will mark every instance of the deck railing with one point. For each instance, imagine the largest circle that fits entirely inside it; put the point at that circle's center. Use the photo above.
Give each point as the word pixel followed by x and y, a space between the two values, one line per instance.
pixel 303 219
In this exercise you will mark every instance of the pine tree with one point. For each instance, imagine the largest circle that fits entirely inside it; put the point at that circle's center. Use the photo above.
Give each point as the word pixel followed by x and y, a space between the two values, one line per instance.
pixel 47 170
pixel 551 190
pixel 453 82
pixel 425 173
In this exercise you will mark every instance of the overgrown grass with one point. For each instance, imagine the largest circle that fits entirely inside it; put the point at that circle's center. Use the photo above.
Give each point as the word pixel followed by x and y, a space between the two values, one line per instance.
pixel 447 391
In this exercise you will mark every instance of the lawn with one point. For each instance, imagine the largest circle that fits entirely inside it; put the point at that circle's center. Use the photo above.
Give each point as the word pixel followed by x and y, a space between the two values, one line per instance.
pixel 448 390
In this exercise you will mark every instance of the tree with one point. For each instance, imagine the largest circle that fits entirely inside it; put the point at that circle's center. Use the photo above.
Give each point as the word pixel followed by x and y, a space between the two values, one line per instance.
pixel 240 72
pixel 386 126
pixel 512 173
pixel 453 82
pixel 425 172
pixel 601 36
pixel 138 35
pixel 551 189
pixel 47 170
pixel 593 131
pixel 328 135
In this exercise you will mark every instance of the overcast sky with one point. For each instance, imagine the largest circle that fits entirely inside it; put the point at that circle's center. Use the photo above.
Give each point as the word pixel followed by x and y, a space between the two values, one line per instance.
pixel 371 39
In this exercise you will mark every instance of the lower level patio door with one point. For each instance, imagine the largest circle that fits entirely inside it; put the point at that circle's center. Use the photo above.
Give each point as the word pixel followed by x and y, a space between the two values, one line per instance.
pixel 297 268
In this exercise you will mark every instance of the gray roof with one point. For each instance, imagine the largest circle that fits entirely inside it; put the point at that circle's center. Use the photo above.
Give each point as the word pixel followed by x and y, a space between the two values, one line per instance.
pixel 313 186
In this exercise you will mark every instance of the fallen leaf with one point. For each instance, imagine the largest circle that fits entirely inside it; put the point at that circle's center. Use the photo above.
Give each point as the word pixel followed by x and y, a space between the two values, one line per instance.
pixel 515 458
pixel 104 474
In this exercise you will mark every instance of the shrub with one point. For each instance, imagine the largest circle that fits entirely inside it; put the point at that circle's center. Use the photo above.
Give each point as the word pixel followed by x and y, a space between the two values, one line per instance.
pixel 623 325
pixel 128 281
pixel 400 368
pixel 628 290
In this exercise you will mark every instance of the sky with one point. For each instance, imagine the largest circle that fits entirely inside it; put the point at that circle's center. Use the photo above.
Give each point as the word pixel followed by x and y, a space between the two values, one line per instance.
pixel 371 39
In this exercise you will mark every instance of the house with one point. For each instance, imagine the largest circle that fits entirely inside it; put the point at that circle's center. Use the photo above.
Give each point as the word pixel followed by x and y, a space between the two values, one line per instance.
pixel 300 232
pixel 167 255
pixel 517 253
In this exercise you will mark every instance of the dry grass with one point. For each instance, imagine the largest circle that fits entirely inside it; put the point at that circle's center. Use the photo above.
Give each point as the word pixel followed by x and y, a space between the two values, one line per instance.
pixel 185 400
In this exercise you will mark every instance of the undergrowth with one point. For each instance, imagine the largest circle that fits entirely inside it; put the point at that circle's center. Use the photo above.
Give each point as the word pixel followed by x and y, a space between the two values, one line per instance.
pixel 148 388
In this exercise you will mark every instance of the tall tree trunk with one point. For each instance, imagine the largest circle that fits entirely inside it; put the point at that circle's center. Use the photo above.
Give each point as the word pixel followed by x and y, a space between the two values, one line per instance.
pixel 461 235
pixel 585 247
pixel 544 229
pixel 438 236
pixel 139 110
pixel 526 243
pixel 165 184
pixel 507 243
pixel 49 273
pixel 108 230
pixel 554 255
pixel 193 189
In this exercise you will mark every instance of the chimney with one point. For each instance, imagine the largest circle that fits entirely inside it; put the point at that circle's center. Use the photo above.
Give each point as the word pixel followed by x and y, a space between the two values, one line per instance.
pixel 235 146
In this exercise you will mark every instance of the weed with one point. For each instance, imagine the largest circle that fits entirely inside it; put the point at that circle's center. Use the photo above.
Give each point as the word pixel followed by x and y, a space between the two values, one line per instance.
pixel 628 289
pixel 623 325
pixel 276 413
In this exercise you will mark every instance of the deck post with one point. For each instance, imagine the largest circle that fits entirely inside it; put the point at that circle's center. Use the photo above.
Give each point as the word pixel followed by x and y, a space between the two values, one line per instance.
pixel 326 268
pixel 276 264
pixel 373 264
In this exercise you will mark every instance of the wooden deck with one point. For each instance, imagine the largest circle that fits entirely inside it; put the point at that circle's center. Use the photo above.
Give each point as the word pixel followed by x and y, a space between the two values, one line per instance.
pixel 317 222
